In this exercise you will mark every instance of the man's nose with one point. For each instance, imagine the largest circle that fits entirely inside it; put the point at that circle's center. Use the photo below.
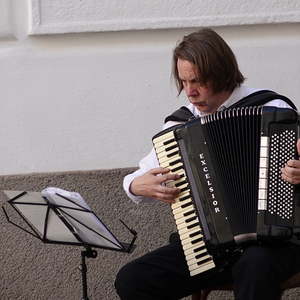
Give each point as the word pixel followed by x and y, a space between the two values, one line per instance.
pixel 190 89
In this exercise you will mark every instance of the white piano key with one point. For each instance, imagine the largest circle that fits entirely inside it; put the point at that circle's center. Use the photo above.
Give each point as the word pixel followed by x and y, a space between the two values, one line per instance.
pixel 185 220
pixel 193 246
pixel 166 164
pixel 189 240
pixel 179 201
pixel 165 158
pixel 178 213
pixel 200 269
pixel 163 150
pixel 164 137
pixel 182 227
pixel 187 234
pixel 190 252
pixel 196 260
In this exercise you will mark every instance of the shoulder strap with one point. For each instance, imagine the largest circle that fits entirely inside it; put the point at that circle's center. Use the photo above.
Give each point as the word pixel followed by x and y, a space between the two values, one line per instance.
pixel 262 97
pixel 183 114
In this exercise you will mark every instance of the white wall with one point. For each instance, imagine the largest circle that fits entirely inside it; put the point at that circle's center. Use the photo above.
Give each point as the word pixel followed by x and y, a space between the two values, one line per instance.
pixel 80 101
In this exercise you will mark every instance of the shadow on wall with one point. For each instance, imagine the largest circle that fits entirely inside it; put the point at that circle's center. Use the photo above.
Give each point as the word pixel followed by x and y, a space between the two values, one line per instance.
pixel 31 269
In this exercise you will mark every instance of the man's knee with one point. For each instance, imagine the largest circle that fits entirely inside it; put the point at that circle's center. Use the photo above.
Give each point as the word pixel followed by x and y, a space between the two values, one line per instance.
pixel 124 282
pixel 129 280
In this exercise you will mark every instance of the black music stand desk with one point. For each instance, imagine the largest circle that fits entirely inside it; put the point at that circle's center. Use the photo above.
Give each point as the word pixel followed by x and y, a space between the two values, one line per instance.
pixel 56 216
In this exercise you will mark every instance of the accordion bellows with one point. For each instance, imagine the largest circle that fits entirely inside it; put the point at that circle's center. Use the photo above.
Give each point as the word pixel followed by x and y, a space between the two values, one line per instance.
pixel 231 188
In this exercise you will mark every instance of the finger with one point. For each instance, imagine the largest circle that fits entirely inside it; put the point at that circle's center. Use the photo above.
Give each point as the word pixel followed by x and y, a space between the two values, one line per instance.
pixel 168 177
pixel 173 191
pixel 159 170
pixel 165 197
pixel 298 146
pixel 291 172
pixel 293 163
pixel 167 192
pixel 293 180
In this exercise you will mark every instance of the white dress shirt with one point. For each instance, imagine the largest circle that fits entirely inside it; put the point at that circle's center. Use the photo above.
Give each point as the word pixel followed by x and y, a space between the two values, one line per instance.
pixel 150 161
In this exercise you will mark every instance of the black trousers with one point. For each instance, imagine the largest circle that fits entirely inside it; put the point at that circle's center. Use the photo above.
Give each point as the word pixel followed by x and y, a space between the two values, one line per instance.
pixel 163 274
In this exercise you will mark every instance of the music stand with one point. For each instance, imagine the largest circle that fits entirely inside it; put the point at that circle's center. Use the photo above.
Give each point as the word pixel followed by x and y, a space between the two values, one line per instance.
pixel 55 216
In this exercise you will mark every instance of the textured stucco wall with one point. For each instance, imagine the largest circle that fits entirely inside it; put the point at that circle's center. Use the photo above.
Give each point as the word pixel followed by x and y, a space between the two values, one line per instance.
pixel 94 100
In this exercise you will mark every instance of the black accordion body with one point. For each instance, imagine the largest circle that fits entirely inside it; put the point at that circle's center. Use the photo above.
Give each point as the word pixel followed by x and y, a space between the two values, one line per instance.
pixel 231 188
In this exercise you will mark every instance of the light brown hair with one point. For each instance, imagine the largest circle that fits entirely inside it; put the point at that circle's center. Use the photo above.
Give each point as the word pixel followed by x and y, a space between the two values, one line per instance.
pixel 213 58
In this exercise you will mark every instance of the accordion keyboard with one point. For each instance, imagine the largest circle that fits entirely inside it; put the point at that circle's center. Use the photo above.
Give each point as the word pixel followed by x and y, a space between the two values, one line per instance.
pixel 184 211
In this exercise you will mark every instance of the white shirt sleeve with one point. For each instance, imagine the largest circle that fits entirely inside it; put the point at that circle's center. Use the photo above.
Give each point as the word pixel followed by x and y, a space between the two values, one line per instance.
pixel 277 103
pixel 147 163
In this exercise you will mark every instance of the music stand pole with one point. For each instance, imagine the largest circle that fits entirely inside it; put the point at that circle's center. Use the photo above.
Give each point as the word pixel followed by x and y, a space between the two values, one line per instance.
pixel 83 267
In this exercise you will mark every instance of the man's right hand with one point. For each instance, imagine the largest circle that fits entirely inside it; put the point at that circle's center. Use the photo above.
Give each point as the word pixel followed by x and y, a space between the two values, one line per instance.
pixel 151 184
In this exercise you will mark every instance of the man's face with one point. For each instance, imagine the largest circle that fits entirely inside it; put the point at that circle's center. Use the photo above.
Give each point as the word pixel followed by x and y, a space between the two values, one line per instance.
pixel 201 96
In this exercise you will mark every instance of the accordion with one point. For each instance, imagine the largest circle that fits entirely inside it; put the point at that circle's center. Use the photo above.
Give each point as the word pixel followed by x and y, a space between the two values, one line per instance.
pixel 231 190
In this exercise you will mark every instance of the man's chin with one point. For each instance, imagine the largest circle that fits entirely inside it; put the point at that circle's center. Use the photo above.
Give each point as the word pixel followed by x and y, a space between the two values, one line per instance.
pixel 203 108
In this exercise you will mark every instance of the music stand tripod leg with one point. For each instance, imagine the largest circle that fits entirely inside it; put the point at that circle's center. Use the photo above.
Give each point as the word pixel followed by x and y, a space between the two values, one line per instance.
pixel 83 268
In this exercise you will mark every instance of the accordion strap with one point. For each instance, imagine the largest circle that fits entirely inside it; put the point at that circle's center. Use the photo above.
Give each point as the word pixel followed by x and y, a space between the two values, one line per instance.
pixel 261 98
pixel 183 114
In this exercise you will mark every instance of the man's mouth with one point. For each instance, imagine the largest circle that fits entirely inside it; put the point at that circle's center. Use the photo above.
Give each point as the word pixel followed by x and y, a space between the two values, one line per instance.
pixel 200 104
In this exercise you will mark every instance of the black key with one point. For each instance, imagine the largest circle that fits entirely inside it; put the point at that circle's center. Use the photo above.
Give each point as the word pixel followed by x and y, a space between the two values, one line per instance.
pixel 180 183
pixel 175 162
pixel 185 197
pixel 188 213
pixel 186 204
pixel 199 249
pixel 171 147
pixel 190 219
pixel 204 261
pixel 201 255
pixel 195 233
pixel 193 225
pixel 169 141
pixel 176 169
pixel 173 153
pixel 197 240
